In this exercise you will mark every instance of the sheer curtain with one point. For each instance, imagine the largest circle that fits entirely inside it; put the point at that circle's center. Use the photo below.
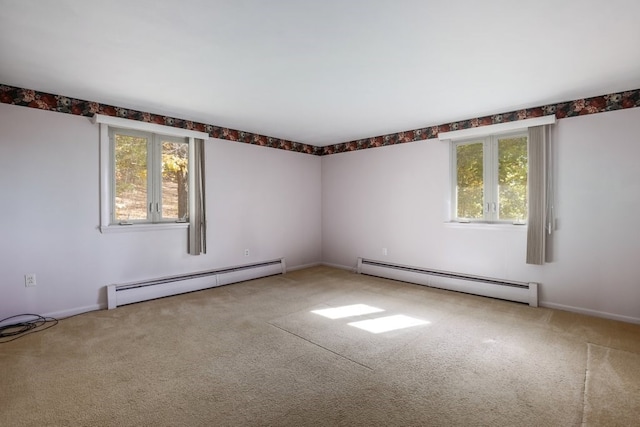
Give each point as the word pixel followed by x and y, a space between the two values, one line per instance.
pixel 540 221
pixel 197 212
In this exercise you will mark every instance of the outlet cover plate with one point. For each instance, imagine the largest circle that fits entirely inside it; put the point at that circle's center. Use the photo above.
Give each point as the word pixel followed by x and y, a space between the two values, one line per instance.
pixel 29 280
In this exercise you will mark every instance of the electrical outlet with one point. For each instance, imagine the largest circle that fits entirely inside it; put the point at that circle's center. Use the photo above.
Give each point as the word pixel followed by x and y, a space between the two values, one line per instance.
pixel 30 280
pixel 246 252
pixel 384 251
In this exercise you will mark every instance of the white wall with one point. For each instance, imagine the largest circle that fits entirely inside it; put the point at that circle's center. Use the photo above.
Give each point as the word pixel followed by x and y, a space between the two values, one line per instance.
pixel 310 209
pixel 394 197
pixel 258 198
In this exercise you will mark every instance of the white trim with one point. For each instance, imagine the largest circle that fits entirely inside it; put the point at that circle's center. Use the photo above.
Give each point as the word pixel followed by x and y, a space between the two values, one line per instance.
pixel 482 131
pixel 148 127
pixel 106 184
pixel 479 225
pixel 589 312
pixel 117 228
pixel 303 266
pixel 340 266
pixel 61 314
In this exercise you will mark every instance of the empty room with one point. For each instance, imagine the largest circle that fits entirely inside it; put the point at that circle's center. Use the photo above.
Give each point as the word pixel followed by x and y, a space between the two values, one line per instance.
pixel 319 213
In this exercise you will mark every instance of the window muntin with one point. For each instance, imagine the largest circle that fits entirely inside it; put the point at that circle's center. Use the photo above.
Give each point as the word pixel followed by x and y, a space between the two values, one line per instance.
pixel 149 177
pixel 489 177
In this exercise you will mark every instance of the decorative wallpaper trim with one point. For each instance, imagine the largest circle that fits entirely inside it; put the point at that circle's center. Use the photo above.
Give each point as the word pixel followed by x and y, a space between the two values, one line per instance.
pixel 62 104
pixel 578 107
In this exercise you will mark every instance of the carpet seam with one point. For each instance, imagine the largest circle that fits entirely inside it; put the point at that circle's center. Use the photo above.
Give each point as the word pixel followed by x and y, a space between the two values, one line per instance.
pixel 586 384
pixel 612 348
pixel 318 345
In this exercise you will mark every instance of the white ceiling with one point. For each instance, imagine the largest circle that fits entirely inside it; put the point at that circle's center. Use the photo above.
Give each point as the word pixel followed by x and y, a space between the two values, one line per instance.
pixel 326 71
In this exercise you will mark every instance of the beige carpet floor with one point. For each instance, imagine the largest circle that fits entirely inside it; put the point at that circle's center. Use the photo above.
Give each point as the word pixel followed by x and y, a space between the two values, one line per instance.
pixel 254 354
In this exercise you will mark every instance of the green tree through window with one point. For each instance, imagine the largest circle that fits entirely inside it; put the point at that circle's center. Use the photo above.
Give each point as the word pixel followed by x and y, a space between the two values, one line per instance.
pixel 470 180
pixel 512 178
pixel 491 179
pixel 130 178
pixel 150 177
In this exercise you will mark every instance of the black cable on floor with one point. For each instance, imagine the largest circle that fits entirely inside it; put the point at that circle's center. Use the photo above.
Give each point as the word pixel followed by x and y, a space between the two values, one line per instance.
pixel 17 330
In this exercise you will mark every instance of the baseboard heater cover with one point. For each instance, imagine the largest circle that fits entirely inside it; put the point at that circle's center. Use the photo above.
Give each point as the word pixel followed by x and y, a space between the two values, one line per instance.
pixel 129 293
pixel 484 286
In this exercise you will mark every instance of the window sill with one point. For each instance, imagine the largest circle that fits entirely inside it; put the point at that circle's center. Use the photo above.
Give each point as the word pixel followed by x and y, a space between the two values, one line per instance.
pixel 486 226
pixel 117 228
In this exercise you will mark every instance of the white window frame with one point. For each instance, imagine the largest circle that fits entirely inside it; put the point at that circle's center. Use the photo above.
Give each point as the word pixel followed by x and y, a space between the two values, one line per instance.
pixel 490 202
pixel 106 169
pixel 477 133
pixel 154 175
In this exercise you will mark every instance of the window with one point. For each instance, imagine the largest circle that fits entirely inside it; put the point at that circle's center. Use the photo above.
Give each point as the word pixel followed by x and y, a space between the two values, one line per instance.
pixel 489 179
pixel 149 175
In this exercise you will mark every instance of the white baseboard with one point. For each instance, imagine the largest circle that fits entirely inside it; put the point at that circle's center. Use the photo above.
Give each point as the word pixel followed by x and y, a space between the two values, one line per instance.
pixel 589 312
pixel 128 293
pixel 75 311
pixel 303 266
pixel 341 267
pixel 79 310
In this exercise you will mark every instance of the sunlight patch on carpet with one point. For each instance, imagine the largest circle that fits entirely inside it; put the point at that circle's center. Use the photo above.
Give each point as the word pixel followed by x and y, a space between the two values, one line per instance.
pixel 388 323
pixel 347 311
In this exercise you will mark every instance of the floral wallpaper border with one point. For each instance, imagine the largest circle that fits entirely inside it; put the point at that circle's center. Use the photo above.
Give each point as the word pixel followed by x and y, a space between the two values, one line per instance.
pixel 578 107
pixel 62 104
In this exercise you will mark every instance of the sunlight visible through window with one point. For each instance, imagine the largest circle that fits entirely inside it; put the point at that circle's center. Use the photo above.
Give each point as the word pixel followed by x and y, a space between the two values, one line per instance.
pixel 347 311
pixel 389 323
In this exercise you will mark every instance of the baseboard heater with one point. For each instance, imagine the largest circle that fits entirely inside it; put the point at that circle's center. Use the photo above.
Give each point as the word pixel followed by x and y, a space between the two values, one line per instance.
pixel 495 288
pixel 129 293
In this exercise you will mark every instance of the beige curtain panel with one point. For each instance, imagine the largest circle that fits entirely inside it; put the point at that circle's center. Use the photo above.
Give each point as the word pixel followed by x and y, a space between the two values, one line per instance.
pixel 537 221
pixel 198 218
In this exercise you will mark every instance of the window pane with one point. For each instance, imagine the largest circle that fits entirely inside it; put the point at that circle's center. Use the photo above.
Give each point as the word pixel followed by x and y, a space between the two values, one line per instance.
pixel 469 181
pixel 130 178
pixel 175 181
pixel 512 178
